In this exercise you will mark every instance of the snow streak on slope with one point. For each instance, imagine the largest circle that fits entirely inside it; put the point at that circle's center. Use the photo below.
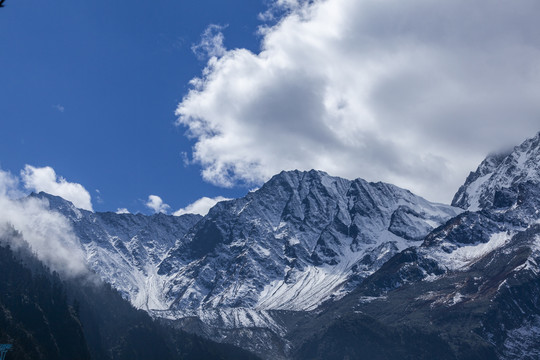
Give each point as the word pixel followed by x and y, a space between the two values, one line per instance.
pixel 461 257
pixel 301 239
pixel 125 249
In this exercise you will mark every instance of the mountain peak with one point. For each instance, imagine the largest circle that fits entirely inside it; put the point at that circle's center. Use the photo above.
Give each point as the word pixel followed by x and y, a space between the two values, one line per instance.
pixel 498 172
pixel 298 175
pixel 56 202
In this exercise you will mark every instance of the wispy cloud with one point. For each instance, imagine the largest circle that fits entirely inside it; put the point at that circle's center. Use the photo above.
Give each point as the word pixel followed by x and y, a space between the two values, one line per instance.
pixel 59 108
pixel 211 44
pixel 47 232
pixel 277 8
pixel 99 199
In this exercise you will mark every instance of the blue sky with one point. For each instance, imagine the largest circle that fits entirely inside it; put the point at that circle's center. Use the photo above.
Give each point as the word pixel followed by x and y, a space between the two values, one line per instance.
pixel 412 93
pixel 90 88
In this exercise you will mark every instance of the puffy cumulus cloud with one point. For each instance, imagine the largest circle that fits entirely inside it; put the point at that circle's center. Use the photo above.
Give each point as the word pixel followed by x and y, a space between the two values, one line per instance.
pixel 47 232
pixel 122 211
pixel 201 206
pixel 414 93
pixel 211 44
pixel 45 179
pixel 157 205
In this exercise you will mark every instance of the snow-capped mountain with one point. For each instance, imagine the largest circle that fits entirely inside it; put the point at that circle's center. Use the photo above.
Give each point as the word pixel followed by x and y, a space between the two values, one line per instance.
pixel 472 287
pixel 489 184
pixel 301 239
pixel 503 198
pixel 125 249
pixel 278 270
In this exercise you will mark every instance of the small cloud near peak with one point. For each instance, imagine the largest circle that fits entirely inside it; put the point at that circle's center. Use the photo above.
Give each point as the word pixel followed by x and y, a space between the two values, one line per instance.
pixel 157 205
pixel 45 179
pixel 201 206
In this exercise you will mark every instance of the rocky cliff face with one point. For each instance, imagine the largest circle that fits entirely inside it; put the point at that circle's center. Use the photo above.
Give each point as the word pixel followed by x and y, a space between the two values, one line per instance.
pixel 301 239
pixel 473 285
pixel 492 183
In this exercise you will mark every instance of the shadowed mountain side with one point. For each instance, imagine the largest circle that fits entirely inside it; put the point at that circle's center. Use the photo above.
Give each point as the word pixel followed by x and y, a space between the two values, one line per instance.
pixel 45 317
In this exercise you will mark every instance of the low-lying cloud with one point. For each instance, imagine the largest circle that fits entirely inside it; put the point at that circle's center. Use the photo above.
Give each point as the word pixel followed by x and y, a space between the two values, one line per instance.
pixel 49 234
pixel 201 206
pixel 414 93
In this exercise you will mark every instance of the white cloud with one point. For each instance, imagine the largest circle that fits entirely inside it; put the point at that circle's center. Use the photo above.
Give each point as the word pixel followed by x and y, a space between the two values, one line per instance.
pixel 99 199
pixel 414 93
pixel 211 44
pixel 9 185
pixel 122 211
pixel 45 179
pixel 156 204
pixel 59 108
pixel 49 233
pixel 201 206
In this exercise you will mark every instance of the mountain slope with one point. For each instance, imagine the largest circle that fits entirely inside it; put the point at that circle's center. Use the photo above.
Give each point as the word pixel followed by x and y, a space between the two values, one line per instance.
pixel 490 183
pixel 125 249
pixel 47 317
pixel 35 316
pixel 301 239
pixel 473 284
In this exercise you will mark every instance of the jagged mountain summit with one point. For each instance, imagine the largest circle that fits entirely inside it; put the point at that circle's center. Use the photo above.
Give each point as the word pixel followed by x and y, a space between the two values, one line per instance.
pixel 311 263
pixel 472 287
pixel 302 238
pixel 489 185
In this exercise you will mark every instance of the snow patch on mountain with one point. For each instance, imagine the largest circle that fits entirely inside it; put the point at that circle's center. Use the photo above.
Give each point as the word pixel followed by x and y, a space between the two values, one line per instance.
pixel 226 318
pixel 498 172
pixel 301 239
pixel 454 257
pixel 125 249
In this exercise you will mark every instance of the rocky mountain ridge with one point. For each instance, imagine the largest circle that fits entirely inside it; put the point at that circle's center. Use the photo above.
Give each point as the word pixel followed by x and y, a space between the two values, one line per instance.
pixel 473 286
pixel 489 184
pixel 282 267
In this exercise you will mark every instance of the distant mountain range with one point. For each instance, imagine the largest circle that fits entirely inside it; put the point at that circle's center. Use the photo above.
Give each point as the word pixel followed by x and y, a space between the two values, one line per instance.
pixel 312 266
